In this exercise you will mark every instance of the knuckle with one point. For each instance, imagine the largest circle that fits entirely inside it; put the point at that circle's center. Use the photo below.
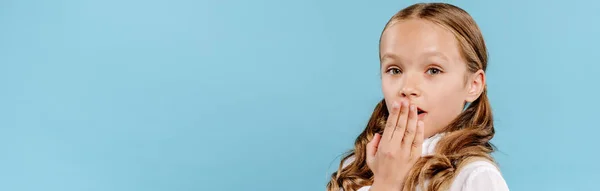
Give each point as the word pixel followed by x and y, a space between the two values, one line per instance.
pixel 389 154
pixel 411 129
pixel 389 125
pixel 404 111
pixel 415 145
pixel 389 121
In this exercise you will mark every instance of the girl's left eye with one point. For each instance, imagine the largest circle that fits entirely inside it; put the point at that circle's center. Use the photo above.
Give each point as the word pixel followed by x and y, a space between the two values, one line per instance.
pixel 433 71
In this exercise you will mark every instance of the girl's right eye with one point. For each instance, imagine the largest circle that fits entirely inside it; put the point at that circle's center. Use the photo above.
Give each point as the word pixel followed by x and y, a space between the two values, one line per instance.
pixel 393 71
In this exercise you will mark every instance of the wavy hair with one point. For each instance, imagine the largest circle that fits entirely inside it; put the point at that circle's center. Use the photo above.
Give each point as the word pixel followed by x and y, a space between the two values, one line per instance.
pixel 467 136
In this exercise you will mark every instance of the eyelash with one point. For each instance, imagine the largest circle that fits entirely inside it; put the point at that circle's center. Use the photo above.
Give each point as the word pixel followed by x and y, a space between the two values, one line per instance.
pixel 389 70
pixel 436 69
pixel 430 71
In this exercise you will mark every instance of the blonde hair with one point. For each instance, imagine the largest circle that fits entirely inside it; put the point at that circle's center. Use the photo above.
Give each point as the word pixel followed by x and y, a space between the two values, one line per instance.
pixel 467 137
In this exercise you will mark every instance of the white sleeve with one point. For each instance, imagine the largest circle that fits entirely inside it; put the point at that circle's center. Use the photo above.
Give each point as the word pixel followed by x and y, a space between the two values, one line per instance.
pixel 479 176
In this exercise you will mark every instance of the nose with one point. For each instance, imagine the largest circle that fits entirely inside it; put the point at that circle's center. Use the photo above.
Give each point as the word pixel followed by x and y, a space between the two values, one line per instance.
pixel 410 88
pixel 410 92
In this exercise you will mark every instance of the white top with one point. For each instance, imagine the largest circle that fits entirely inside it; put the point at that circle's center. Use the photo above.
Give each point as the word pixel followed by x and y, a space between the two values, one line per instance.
pixel 475 176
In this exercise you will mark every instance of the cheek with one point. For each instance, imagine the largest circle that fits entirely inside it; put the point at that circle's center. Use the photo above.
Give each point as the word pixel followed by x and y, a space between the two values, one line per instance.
pixel 388 88
pixel 449 98
pixel 447 103
pixel 389 91
pixel 388 102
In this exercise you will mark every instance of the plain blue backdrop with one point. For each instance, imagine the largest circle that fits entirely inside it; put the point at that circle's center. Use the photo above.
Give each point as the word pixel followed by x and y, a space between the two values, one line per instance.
pixel 265 94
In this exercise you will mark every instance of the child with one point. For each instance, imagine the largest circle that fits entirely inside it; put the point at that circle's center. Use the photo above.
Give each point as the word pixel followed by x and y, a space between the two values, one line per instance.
pixel 433 128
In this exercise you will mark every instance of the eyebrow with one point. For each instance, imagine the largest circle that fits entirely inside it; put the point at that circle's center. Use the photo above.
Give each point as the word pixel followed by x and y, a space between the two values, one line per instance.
pixel 436 53
pixel 433 53
pixel 388 56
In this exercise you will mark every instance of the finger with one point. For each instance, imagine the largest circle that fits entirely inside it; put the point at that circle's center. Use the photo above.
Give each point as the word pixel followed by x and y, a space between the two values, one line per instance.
pixel 372 149
pixel 373 145
pixel 417 146
pixel 400 125
pixel 411 128
pixel 391 122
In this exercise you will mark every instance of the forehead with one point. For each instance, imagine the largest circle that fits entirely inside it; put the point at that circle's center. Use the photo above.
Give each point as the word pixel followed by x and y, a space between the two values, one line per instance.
pixel 416 38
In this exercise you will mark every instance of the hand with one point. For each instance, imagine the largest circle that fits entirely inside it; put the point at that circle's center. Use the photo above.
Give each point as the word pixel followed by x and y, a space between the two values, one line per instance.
pixel 391 156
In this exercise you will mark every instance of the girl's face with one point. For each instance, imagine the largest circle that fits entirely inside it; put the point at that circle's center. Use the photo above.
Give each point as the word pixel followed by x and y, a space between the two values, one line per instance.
pixel 421 63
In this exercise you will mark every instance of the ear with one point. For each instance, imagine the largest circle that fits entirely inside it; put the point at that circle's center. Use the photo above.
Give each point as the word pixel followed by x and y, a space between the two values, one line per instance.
pixel 475 86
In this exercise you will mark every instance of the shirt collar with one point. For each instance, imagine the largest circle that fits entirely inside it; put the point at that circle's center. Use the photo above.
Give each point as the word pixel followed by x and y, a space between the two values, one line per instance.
pixel 430 143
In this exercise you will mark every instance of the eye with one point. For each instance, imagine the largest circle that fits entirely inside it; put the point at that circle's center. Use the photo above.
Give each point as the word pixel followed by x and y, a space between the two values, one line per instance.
pixel 433 71
pixel 393 71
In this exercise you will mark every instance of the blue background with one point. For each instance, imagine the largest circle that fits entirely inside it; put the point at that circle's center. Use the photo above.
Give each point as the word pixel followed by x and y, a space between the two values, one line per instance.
pixel 265 94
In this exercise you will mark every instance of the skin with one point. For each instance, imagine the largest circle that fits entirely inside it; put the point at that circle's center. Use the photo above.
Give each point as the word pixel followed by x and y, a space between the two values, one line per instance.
pixel 421 67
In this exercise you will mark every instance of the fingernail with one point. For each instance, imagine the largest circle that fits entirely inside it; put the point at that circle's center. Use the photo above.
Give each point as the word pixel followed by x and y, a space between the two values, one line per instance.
pixel 412 107
pixel 395 105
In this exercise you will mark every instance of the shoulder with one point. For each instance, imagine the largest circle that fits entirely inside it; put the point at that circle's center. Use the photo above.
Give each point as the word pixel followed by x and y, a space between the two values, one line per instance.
pixel 479 175
pixel 348 161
